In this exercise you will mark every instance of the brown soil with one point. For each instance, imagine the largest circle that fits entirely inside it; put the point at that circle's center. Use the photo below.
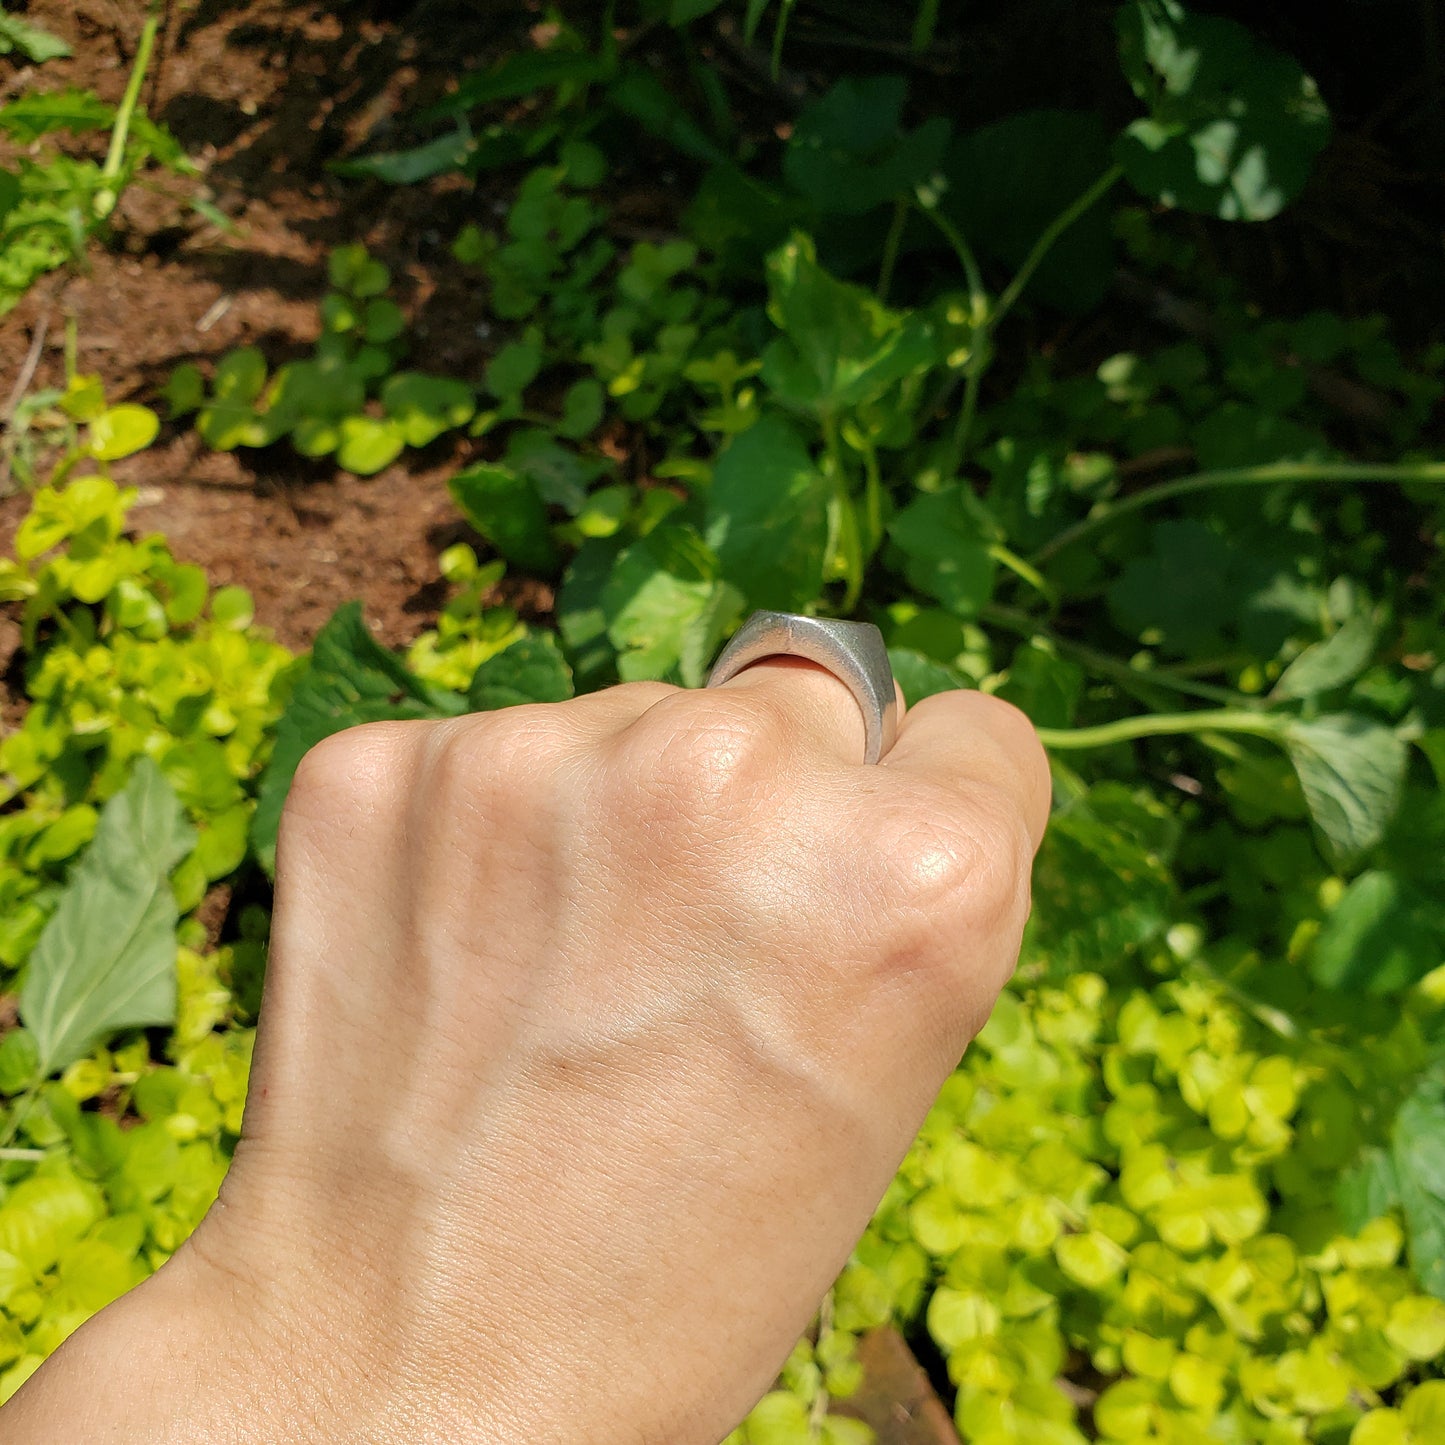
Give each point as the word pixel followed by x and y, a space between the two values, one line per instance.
pixel 251 89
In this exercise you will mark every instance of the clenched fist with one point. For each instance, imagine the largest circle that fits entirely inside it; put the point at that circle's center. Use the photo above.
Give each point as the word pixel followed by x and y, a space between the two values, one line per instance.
pixel 593 1033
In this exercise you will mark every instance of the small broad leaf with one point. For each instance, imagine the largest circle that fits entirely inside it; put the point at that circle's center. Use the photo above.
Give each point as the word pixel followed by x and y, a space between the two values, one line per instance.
pixel 30 40
pixel 848 153
pixel 1383 935
pixel 945 538
pixel 107 958
pixel 531 670
pixel 1351 770
pixel 426 406
pixel 505 508
pixel 121 431
pixel 767 517
pixel 921 676
pixel 351 678
pixel 559 475
pixel 240 376
pixel 1326 665
pixel 1234 125
pixel 368 445
pixel 841 347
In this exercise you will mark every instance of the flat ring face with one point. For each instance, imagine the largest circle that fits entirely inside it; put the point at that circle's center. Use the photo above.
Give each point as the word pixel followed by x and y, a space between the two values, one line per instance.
pixel 852 651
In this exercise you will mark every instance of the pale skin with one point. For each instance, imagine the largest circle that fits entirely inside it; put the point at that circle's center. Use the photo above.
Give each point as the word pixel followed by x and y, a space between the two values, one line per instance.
pixel 593 1033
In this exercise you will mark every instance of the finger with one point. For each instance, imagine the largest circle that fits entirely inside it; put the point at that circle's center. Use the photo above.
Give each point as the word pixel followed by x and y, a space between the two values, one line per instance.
pixel 963 739
pixel 820 712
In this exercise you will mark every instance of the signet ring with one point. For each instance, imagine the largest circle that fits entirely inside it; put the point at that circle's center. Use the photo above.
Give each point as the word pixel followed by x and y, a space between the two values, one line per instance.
pixel 852 651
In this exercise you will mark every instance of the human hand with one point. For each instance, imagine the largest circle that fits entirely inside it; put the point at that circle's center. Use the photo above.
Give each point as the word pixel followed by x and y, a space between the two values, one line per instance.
pixel 592 1035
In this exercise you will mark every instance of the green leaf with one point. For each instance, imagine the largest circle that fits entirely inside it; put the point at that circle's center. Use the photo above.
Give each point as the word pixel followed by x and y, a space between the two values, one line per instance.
pixel 684 12
pixel 505 508
pixel 520 74
pixel 382 321
pixel 1351 770
pixel 368 445
pixel 33 42
pixel 559 475
pixel 1382 936
pixel 583 405
pixel 449 152
pixel 121 431
pixel 107 958
pixel 767 517
pixel 848 153
pixel 643 96
pixel 1367 1190
pixel 19 1061
pixel 240 376
pixel 1326 665
pixel 37 114
pixel 661 591
pixel 1418 1143
pixel 1234 125
pixel 920 676
pixel 426 406
pixel 185 391
pixel 1007 181
pixel 1046 686
pixel 945 538
pixel 350 679
pixel 1184 589
pixel 841 347
pixel 514 368
pixel 354 270
pixel 530 670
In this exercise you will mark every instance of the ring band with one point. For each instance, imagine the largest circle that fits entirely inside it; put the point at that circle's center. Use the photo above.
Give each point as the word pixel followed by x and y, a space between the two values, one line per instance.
pixel 852 651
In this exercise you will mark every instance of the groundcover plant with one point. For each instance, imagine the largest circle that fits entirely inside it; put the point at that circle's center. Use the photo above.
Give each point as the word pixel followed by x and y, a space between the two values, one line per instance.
pixel 1188 1183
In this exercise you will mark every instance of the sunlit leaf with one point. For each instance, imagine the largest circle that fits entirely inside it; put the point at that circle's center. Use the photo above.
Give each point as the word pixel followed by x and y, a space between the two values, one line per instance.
pixel 107 959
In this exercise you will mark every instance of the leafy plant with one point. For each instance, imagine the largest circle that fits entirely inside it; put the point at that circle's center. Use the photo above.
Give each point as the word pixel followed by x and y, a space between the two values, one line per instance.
pixel 52 206
pixel 347 399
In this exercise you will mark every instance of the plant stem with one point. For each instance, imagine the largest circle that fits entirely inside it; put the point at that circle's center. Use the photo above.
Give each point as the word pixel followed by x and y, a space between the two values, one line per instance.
pixel 779 32
pixel 106 198
pixel 890 247
pixel 977 296
pixel 1021 569
pixel 963 427
pixel 1261 476
pixel 982 321
pixel 1141 682
pixel 1227 720
pixel 1044 244
pixel 18 1110
pixel 925 22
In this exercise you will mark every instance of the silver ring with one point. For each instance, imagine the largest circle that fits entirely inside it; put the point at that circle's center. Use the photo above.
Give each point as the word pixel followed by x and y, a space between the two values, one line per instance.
pixel 852 651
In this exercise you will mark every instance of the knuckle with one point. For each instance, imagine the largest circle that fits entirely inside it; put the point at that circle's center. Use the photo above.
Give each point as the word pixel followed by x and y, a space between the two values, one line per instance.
pixel 954 870
pixel 705 755
pixel 349 768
